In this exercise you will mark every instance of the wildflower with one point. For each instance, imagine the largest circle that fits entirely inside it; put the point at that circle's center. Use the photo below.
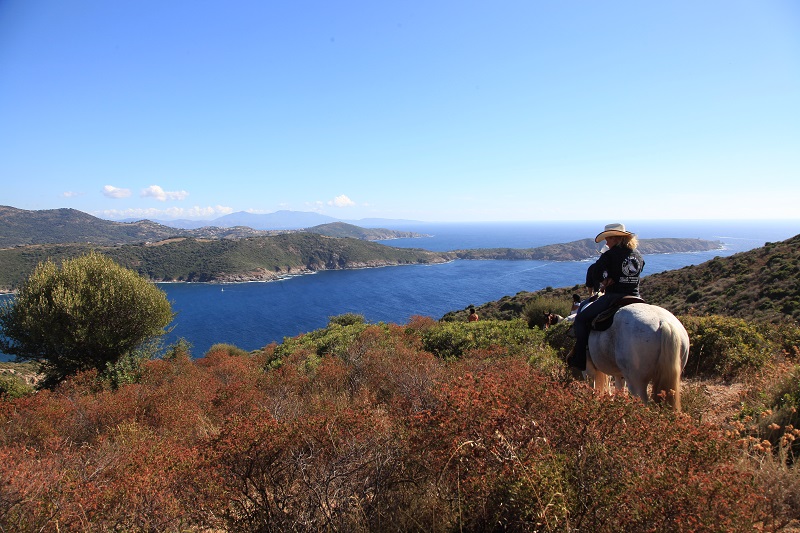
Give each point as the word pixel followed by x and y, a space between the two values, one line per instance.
pixel 774 427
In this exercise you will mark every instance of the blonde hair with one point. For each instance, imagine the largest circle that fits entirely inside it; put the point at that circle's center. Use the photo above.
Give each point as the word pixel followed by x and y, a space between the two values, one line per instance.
pixel 631 242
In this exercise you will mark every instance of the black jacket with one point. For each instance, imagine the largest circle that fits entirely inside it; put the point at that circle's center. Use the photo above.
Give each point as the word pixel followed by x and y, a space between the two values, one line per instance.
pixel 622 265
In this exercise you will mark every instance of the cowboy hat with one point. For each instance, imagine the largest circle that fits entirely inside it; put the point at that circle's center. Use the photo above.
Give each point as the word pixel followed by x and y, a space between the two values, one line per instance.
pixel 613 230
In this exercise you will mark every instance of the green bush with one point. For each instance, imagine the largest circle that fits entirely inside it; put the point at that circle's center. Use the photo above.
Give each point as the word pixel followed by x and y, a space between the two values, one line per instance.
pixel 228 349
pixel 454 339
pixel 181 350
pixel 12 387
pixel 788 405
pixel 724 346
pixel 536 309
pixel 347 319
pixel 128 368
pixel 560 338
pixel 786 335
pixel 333 340
pixel 83 315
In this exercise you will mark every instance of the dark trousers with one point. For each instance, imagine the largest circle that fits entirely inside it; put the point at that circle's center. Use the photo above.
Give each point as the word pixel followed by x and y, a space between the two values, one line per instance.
pixel 583 325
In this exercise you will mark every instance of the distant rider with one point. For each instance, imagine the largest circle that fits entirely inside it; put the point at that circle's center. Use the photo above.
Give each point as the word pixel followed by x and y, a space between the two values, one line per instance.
pixel 617 271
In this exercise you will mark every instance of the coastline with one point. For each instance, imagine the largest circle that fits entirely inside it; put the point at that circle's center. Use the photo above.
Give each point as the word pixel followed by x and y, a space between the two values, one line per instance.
pixel 565 252
pixel 265 276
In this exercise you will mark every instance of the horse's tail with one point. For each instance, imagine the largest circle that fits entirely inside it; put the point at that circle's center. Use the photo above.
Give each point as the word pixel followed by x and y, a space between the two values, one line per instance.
pixel 667 381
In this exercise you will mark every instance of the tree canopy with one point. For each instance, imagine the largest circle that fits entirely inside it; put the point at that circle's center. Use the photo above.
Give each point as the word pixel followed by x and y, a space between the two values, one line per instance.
pixel 85 314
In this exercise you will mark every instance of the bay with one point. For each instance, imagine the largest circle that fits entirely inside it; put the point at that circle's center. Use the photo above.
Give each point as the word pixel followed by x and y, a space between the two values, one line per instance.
pixel 252 315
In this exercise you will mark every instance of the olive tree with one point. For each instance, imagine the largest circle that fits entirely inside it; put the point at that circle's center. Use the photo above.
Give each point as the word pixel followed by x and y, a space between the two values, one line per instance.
pixel 87 313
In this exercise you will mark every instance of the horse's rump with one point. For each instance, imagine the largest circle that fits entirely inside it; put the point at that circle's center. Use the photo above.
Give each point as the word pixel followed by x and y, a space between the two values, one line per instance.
pixel 645 344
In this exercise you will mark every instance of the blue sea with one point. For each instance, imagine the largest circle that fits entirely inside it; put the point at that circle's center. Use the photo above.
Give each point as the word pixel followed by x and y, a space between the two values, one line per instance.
pixel 252 315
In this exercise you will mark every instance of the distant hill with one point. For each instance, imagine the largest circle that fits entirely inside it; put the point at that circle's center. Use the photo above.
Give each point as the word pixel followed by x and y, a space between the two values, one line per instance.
pixel 272 221
pixel 223 260
pixel 58 226
pixel 214 253
pixel 282 220
pixel 342 229
pixel 19 227
pixel 760 284
pixel 587 248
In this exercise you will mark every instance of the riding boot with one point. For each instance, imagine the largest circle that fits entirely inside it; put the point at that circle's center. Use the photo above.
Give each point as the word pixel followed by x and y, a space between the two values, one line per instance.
pixel 581 327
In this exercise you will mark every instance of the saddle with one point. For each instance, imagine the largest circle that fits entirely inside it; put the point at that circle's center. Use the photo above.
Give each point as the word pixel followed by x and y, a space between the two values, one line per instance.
pixel 604 320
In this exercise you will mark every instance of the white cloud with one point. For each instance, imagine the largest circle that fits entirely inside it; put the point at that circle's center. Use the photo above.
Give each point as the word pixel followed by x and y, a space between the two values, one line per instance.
pixel 154 191
pixel 341 201
pixel 70 194
pixel 115 192
pixel 316 206
pixel 194 213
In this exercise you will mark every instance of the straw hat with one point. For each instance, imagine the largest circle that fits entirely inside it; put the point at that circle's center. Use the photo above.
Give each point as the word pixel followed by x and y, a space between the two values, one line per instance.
pixel 613 230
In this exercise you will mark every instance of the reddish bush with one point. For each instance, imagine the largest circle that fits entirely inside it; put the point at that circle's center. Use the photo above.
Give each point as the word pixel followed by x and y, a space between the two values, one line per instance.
pixel 380 436
pixel 514 449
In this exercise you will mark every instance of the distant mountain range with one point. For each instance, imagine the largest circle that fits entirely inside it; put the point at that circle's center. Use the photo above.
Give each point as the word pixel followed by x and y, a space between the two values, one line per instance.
pixel 241 253
pixel 279 220
pixel 20 227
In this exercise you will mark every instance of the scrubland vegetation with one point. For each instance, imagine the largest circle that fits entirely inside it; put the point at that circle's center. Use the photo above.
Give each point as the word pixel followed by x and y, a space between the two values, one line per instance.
pixel 427 426
pixel 422 427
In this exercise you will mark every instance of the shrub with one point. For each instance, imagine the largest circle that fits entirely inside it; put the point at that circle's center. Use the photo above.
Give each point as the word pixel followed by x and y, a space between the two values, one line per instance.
pixel 86 314
pixel 724 346
pixel 179 351
pixel 381 436
pixel 128 368
pixel 560 338
pixel 332 340
pixel 347 319
pixel 229 349
pixel 780 424
pixel 12 387
pixel 786 335
pixel 454 339
pixel 512 450
pixel 537 308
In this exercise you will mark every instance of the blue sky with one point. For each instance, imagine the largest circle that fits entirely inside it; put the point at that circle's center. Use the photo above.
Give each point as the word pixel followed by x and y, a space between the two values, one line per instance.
pixel 425 110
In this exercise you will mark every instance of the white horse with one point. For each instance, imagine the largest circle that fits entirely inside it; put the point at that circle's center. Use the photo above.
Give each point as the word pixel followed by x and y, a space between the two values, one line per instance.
pixel 645 344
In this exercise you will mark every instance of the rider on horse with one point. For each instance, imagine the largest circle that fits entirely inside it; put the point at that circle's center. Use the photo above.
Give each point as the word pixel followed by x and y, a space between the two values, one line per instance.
pixel 617 272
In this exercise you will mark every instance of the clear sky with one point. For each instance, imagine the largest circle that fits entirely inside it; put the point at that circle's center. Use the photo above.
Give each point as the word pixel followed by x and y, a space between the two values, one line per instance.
pixel 433 110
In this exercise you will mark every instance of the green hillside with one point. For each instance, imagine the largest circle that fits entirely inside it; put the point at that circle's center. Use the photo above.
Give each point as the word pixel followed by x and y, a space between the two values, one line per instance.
pixel 20 227
pixel 255 258
pixel 585 248
pixel 761 284
pixel 343 229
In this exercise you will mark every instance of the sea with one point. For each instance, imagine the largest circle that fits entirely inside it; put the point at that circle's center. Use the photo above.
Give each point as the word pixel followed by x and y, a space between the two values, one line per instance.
pixel 253 315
